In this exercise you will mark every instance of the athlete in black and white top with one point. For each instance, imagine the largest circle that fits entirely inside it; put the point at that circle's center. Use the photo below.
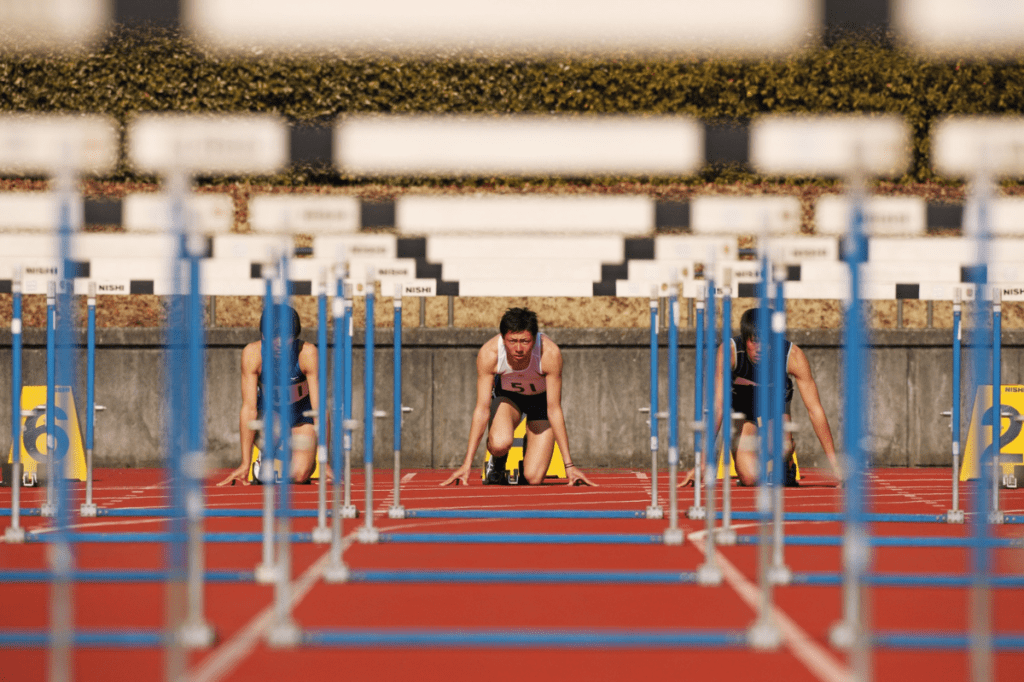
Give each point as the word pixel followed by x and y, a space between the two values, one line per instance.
pixel 519 372
pixel 745 350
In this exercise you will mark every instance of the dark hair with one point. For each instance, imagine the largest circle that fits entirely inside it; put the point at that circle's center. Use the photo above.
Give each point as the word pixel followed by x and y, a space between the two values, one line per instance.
pixel 518 320
pixel 749 323
pixel 296 323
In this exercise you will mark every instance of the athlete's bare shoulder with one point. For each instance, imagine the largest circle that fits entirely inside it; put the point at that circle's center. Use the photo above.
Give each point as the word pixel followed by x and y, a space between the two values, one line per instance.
pixel 487 358
pixel 550 355
pixel 252 357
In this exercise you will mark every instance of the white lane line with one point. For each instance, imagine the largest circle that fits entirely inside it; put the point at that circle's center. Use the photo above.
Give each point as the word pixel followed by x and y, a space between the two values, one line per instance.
pixel 816 658
pixel 230 654
pixel 226 657
pixel 408 477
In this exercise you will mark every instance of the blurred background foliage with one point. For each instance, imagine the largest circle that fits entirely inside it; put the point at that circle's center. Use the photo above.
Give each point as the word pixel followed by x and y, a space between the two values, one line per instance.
pixel 147 69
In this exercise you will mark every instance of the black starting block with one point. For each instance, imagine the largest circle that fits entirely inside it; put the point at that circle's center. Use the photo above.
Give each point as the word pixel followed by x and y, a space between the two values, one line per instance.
pixel 1014 480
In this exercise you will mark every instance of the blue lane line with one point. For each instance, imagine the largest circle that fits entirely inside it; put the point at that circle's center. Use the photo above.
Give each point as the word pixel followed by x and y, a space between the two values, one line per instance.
pixel 890 541
pixel 835 516
pixel 524 514
pixel 525 577
pixel 524 538
pixel 85 638
pixel 830 579
pixel 514 639
pixel 121 576
pixel 944 640
pixel 159 537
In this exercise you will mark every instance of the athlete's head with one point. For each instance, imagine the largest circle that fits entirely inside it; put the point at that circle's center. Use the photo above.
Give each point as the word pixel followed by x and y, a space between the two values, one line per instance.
pixel 278 326
pixel 518 320
pixel 518 332
pixel 749 323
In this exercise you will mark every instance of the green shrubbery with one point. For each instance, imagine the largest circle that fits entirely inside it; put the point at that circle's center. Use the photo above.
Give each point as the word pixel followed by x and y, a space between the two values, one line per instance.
pixel 147 70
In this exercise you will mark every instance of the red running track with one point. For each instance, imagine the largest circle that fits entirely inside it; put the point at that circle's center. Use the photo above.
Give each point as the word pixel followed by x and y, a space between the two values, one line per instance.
pixel 240 613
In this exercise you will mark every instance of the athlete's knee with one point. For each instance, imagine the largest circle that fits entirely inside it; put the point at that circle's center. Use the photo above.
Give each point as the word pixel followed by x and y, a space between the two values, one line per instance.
pixel 534 477
pixel 746 478
pixel 499 446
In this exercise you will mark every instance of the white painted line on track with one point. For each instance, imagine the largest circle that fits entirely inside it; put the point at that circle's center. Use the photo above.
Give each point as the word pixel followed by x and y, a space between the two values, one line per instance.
pixel 223 659
pixel 816 658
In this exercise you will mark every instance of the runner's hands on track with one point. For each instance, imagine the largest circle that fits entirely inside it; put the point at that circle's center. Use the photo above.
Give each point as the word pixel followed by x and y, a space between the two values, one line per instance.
pixel 241 474
pixel 577 477
pixel 459 477
pixel 687 479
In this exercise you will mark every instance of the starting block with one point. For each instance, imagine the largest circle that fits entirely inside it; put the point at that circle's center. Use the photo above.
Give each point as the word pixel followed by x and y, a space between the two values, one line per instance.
pixel 556 469
pixel 67 435
pixel 254 468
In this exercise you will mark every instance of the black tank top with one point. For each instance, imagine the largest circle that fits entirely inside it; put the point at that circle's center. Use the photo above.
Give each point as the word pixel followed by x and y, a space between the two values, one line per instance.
pixel 746 369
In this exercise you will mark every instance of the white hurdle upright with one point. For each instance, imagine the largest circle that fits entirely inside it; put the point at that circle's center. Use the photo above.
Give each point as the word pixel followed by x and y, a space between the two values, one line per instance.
pixel 178 146
pixel 982 149
pixel 62 146
pixel 853 147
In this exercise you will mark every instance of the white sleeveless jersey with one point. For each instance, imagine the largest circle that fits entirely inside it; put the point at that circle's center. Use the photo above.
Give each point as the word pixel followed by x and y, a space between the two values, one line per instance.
pixel 527 381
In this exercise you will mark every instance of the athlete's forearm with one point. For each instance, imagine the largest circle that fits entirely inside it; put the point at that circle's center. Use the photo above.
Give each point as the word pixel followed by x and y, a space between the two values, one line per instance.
pixel 557 420
pixel 476 434
pixel 246 435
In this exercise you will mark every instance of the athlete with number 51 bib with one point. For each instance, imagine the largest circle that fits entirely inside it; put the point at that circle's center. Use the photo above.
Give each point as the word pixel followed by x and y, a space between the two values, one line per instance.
pixel 519 372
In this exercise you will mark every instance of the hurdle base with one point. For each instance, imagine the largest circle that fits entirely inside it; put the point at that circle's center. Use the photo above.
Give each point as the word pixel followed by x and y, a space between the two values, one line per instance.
pixel 780 574
pixel 655 512
pixel 285 634
pixel 996 518
pixel 321 535
pixel 696 513
pixel 266 574
pixel 725 536
pixel 709 575
pixel 349 511
pixel 764 634
pixel 48 511
pixel 14 535
pixel 842 635
pixel 673 536
pixel 197 635
pixel 87 510
pixel 336 573
pixel 368 535
pixel 396 512
pixel 955 516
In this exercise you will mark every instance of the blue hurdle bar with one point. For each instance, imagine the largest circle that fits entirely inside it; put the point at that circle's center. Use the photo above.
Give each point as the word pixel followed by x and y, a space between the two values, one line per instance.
pixel 517 639
pixel 523 538
pixel 891 541
pixel 944 640
pixel 85 638
pixel 840 517
pixel 525 577
pixel 828 579
pixel 524 514
pixel 121 576
pixel 14 532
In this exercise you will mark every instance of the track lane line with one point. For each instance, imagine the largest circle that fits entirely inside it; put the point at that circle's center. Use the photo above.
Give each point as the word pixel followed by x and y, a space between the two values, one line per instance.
pixel 816 658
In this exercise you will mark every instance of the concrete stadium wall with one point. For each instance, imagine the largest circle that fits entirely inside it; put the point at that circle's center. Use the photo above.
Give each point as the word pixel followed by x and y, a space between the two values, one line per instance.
pixel 606 382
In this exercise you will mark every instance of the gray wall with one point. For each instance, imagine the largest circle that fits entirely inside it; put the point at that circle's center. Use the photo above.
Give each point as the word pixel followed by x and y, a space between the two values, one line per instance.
pixel 606 382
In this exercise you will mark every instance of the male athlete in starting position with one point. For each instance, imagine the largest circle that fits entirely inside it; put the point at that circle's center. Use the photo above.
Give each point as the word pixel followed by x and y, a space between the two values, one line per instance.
pixel 519 372
pixel 303 396
pixel 745 355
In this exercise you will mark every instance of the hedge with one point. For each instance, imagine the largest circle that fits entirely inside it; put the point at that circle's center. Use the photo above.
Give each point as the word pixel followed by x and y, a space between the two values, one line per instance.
pixel 157 70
